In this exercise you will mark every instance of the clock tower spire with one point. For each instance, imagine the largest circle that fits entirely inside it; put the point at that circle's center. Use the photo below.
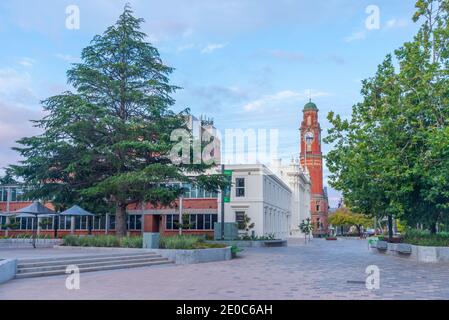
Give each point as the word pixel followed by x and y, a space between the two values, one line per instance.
pixel 312 161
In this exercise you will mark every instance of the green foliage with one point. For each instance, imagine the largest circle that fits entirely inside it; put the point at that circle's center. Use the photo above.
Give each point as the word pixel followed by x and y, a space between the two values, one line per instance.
pixel 425 238
pixel 306 226
pixel 246 223
pixel 8 178
pixel 246 237
pixel 392 156
pixel 102 241
pixel 187 242
pixel 235 250
pixel 106 145
pixel 179 242
pixel 344 217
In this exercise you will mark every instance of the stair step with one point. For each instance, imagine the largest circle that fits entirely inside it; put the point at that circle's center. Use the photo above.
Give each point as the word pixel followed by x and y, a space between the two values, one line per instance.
pixel 84 259
pixel 92 255
pixel 63 266
pixel 92 269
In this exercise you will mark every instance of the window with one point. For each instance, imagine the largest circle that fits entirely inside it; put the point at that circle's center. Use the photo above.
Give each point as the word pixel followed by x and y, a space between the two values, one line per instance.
pixel 317 206
pixel 195 192
pixel 99 223
pixel 111 222
pixel 28 224
pixel 240 219
pixel 200 222
pixel 135 222
pixel 207 222
pixel 192 224
pixel 240 187
pixel 195 221
pixel 46 224
pixel 309 120
pixel 169 222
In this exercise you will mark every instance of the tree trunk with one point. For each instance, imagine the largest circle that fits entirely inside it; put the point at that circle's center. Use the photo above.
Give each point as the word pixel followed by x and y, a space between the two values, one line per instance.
pixel 390 228
pixel 433 228
pixel 120 220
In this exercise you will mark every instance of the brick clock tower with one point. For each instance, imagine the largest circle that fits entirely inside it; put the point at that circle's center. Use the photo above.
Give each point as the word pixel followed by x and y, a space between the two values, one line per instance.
pixel 312 159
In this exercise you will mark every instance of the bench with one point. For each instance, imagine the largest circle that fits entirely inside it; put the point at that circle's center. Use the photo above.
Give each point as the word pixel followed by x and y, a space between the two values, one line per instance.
pixel 404 248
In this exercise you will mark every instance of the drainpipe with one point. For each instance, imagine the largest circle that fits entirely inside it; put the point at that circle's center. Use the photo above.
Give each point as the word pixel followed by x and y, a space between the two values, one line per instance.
pixel 8 200
pixel 222 207
pixel 180 215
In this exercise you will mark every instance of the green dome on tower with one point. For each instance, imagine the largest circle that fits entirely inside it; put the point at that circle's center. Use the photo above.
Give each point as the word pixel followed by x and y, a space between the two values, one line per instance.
pixel 310 106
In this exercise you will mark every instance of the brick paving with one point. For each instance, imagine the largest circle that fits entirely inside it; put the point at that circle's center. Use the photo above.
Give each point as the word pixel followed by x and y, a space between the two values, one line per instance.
pixel 319 270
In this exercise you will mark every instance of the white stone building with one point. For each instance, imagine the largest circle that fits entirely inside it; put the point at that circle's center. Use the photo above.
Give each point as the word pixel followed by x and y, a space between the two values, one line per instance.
pixel 262 196
pixel 299 182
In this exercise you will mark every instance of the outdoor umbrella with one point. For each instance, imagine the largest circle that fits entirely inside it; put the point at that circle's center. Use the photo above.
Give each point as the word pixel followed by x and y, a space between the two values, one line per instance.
pixel 77 211
pixel 35 210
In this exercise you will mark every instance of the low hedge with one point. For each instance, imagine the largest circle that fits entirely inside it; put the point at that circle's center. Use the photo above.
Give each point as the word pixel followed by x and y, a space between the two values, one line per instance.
pixel 425 238
pixel 187 242
pixel 102 241
pixel 175 242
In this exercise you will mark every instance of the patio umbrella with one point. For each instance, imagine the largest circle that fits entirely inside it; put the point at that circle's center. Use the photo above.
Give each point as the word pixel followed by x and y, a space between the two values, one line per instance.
pixel 77 211
pixel 35 210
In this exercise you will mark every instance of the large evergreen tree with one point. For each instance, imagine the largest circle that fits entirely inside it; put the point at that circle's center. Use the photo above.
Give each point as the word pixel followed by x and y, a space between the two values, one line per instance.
pixel 106 144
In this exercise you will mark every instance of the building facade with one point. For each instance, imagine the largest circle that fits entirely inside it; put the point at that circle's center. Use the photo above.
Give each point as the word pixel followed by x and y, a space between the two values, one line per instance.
pixel 312 160
pixel 263 197
pixel 299 182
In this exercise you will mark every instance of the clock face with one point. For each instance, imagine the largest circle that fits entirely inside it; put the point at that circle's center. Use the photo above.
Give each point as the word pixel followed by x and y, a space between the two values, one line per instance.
pixel 309 136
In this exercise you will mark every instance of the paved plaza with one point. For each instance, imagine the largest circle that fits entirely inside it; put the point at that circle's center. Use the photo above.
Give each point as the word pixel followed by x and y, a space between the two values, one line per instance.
pixel 319 270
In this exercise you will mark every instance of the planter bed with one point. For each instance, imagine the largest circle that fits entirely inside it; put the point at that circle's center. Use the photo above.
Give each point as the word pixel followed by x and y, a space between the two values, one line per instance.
pixel 27 242
pixel 413 252
pixel 196 255
pixel 7 270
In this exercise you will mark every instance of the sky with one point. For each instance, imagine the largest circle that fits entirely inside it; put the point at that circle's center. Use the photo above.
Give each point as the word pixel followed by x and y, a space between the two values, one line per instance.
pixel 248 64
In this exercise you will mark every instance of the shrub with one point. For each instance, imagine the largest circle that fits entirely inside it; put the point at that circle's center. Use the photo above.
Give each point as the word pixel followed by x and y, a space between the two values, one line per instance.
pixel 132 242
pixel 180 242
pixel 102 241
pixel 425 238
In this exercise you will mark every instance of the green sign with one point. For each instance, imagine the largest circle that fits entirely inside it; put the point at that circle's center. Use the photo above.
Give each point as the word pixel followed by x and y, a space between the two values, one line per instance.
pixel 227 173
pixel 227 191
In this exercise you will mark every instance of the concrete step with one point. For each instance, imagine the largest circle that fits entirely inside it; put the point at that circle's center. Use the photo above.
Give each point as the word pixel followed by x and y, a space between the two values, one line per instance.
pixel 87 264
pixel 82 259
pixel 85 256
pixel 92 269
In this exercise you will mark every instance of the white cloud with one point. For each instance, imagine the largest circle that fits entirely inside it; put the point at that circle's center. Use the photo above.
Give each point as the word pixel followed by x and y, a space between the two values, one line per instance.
pixel 67 58
pixel 282 97
pixel 16 87
pixel 212 47
pixel 26 62
pixel 17 106
pixel 186 47
pixel 395 23
pixel 359 35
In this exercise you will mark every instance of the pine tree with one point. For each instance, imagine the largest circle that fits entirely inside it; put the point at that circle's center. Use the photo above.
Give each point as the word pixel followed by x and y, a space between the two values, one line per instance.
pixel 106 144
